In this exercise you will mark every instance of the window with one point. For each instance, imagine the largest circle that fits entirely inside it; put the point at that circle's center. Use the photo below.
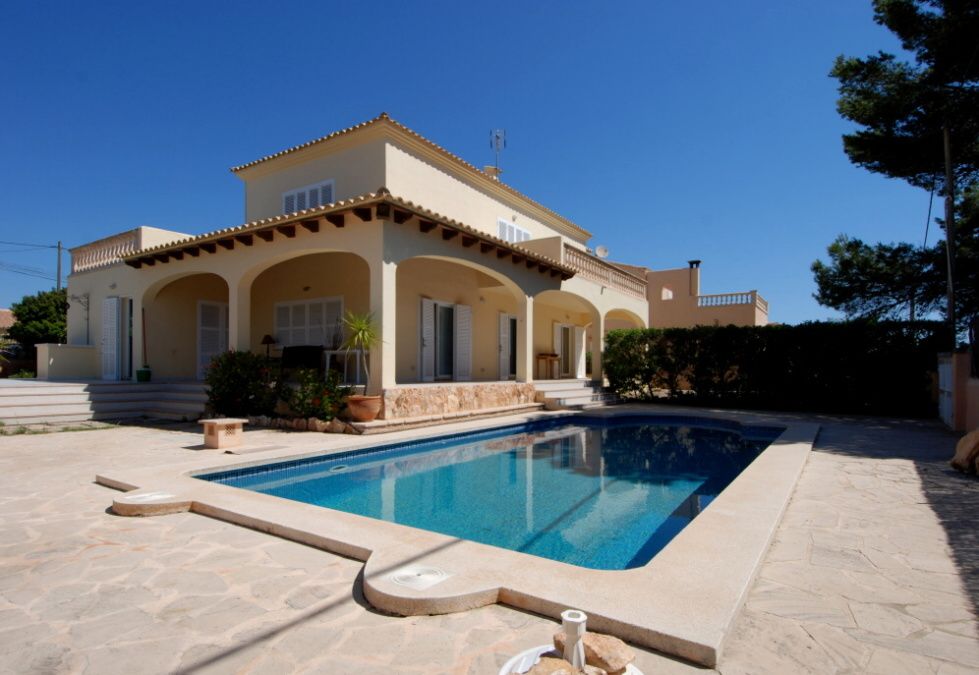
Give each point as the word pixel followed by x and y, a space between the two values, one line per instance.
pixel 309 322
pixel 507 231
pixel 446 341
pixel 308 197
pixel 667 293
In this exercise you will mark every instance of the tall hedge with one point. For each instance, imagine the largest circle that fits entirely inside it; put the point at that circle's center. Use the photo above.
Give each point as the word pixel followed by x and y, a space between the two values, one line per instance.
pixel 878 368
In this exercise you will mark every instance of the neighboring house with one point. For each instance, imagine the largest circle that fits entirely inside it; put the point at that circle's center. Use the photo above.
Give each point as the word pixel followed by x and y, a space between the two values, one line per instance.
pixel 6 321
pixel 675 301
pixel 467 278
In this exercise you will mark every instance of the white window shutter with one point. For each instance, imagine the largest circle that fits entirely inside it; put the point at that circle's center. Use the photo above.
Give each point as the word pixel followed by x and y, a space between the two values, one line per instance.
pixel 282 333
pixel 463 366
pixel 579 352
pixel 301 200
pixel 501 225
pixel 289 203
pixel 212 334
pixel 504 346
pixel 326 193
pixel 110 339
pixel 427 338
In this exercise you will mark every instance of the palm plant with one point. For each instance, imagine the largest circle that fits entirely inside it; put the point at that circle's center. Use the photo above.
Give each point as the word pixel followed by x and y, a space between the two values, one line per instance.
pixel 362 335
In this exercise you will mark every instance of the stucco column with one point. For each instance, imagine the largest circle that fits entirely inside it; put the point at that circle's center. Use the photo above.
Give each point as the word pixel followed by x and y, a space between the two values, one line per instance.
pixel 383 359
pixel 239 314
pixel 525 339
pixel 597 346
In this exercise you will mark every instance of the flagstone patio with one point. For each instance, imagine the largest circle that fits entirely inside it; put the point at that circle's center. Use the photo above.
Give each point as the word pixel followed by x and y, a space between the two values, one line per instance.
pixel 875 568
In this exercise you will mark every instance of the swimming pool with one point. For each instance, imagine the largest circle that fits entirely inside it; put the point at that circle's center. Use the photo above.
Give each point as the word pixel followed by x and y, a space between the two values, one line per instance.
pixel 601 493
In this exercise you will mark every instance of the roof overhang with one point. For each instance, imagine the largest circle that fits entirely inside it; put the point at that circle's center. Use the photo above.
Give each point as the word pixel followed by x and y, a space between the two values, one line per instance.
pixel 380 205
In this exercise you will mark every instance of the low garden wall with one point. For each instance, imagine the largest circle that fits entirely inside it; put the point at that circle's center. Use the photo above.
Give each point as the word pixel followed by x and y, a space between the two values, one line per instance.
pixel 445 399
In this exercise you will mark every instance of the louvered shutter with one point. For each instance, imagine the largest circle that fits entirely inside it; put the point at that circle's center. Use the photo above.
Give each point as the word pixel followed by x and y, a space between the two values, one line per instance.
pixel 316 334
pixel 326 193
pixel 110 339
pixel 301 200
pixel 282 333
pixel 289 203
pixel 579 352
pixel 298 323
pixel 504 346
pixel 463 365
pixel 212 334
pixel 427 336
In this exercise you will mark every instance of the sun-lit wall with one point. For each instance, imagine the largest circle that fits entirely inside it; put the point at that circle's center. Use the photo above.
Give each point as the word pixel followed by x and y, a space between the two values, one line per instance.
pixel 171 324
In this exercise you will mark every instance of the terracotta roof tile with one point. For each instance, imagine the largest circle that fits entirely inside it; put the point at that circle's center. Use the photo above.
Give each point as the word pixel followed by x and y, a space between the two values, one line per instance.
pixel 371 198
pixel 384 118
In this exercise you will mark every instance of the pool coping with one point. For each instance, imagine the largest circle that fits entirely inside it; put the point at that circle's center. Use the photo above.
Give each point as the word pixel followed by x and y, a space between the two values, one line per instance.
pixel 683 602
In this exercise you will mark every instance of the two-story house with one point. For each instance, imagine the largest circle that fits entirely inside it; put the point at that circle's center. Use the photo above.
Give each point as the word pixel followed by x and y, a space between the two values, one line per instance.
pixel 468 279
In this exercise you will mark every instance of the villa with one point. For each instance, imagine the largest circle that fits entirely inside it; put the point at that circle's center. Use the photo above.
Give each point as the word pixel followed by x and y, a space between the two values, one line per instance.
pixel 469 280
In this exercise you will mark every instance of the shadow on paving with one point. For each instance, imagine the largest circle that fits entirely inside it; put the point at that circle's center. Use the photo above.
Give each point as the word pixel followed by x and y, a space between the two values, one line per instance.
pixel 954 497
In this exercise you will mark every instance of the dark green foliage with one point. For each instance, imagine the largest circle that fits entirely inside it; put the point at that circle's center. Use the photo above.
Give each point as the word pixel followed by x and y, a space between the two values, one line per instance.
pixel 863 367
pixel 40 318
pixel 900 109
pixel 238 386
pixel 316 396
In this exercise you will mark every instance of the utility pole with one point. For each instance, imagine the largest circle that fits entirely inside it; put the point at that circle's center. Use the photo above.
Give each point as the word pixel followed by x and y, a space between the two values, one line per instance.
pixel 59 265
pixel 949 229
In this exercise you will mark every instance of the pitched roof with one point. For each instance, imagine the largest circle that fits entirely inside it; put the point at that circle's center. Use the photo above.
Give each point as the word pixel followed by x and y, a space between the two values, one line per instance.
pixel 390 123
pixel 382 196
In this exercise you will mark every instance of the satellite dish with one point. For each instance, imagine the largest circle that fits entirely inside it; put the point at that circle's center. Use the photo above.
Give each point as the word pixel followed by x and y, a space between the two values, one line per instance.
pixel 601 251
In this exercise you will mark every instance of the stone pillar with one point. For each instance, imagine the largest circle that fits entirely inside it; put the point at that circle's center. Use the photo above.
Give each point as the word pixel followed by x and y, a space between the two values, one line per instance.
pixel 239 314
pixel 525 339
pixel 597 346
pixel 383 293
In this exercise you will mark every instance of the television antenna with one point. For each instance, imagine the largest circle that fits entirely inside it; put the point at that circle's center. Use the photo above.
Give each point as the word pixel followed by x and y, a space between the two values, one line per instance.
pixel 601 251
pixel 498 144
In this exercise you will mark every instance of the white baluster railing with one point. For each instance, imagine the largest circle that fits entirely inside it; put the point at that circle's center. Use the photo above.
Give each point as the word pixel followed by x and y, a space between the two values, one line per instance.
pixel 595 269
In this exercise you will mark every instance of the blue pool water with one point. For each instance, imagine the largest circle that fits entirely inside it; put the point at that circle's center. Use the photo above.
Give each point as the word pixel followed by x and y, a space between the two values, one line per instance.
pixel 595 492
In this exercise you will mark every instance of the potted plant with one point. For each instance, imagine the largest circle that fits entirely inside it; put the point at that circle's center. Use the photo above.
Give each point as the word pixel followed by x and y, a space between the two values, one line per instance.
pixel 362 336
pixel 144 374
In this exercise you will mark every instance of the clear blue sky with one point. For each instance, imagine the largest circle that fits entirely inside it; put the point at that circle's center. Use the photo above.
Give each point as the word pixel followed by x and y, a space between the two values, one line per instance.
pixel 671 130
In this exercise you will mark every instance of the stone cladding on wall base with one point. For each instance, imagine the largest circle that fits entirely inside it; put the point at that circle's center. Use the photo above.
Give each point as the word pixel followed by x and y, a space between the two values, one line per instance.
pixel 455 397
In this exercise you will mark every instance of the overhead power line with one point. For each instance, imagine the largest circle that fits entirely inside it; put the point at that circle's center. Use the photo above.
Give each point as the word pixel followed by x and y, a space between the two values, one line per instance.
pixel 31 245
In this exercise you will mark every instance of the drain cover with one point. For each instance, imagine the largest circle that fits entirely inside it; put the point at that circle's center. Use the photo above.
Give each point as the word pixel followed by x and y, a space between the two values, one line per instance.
pixel 418 577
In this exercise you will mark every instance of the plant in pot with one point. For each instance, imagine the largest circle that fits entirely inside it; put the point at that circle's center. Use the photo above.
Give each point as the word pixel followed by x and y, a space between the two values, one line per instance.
pixel 144 374
pixel 362 336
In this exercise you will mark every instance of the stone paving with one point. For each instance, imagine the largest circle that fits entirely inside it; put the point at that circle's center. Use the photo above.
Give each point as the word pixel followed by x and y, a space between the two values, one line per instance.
pixel 875 568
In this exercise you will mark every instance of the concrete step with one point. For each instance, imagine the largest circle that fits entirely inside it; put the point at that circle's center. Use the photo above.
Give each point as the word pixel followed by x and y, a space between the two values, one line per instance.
pixel 550 385
pixel 582 401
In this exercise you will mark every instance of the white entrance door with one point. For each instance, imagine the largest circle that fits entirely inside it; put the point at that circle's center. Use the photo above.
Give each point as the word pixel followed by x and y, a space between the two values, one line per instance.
pixel 110 338
pixel 212 333
pixel 445 341
pixel 569 345
pixel 508 344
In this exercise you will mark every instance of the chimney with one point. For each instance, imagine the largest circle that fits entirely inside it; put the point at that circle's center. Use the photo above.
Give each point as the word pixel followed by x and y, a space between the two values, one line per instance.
pixel 694 277
pixel 493 171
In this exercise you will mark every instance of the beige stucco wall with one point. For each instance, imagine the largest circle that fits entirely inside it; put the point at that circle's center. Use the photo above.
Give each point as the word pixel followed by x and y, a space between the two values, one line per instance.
pixel 318 275
pixel 355 171
pixel 171 324
pixel 457 194
pixel 683 310
pixel 55 362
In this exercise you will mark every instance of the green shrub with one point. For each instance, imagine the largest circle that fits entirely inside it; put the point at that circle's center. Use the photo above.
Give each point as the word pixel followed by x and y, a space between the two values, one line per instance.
pixel 23 374
pixel 881 368
pixel 238 385
pixel 316 396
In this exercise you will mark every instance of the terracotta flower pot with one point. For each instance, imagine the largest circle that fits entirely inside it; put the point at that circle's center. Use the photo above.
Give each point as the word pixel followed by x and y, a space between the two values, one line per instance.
pixel 363 408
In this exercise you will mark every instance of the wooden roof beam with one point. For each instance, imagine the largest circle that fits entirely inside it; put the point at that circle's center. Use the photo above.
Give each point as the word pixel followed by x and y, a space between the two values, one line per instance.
pixel 426 225
pixel 210 247
pixel 468 240
pixel 486 247
pixel 448 234
pixel 335 219
pixel 287 230
pixel 227 243
pixel 311 225
pixel 401 217
pixel 265 235
pixel 162 257
pixel 363 212
pixel 193 251
pixel 245 239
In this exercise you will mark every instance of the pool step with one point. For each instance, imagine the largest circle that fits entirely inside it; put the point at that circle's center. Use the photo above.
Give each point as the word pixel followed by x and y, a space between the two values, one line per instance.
pixel 25 402
pixel 572 394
